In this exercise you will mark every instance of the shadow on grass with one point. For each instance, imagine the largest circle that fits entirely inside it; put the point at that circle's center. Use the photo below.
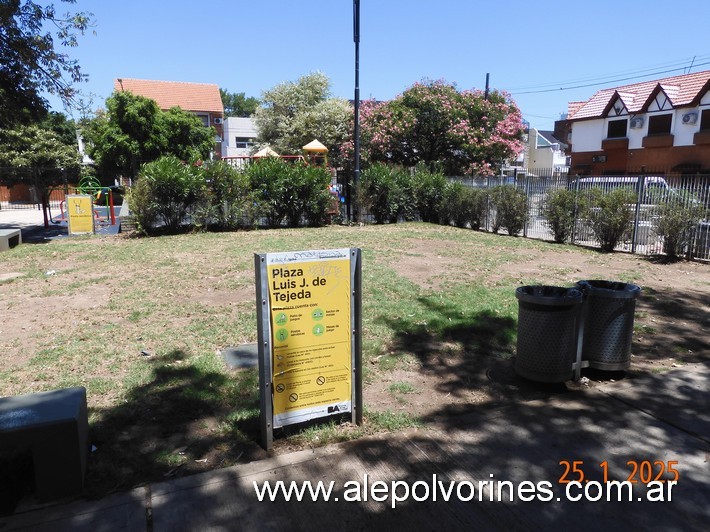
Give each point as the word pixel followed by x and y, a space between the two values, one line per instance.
pixel 672 323
pixel 185 420
pixel 467 353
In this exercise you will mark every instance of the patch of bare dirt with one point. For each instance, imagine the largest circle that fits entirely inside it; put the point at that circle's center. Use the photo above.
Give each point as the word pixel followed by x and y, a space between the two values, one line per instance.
pixel 672 325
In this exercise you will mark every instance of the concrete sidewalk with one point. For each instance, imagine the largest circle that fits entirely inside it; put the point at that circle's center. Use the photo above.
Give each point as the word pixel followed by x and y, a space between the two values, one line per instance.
pixel 31 223
pixel 659 418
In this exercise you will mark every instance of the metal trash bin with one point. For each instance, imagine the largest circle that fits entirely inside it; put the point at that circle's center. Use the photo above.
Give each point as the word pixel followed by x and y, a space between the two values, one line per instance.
pixel 548 318
pixel 608 323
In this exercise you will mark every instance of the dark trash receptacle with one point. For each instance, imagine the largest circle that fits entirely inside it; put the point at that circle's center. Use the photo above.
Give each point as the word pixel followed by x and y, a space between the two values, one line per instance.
pixel 608 323
pixel 548 319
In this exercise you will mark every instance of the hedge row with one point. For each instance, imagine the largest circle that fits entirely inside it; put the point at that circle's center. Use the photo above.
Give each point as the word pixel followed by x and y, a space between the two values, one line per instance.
pixel 391 194
pixel 170 195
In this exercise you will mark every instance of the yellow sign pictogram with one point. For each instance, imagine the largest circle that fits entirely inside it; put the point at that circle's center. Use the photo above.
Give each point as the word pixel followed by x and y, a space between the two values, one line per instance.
pixel 80 212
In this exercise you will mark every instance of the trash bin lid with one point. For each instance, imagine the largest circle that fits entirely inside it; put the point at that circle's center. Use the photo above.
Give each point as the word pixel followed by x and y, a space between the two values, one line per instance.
pixel 613 289
pixel 549 295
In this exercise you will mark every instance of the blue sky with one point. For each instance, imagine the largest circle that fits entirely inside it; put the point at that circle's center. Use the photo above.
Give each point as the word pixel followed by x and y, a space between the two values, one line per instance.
pixel 527 47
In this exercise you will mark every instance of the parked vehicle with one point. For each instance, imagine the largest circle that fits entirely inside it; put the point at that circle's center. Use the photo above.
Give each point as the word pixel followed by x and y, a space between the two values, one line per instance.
pixel 608 183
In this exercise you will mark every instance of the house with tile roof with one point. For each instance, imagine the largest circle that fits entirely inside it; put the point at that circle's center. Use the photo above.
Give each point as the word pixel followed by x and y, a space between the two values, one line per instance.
pixel 660 126
pixel 202 99
pixel 545 153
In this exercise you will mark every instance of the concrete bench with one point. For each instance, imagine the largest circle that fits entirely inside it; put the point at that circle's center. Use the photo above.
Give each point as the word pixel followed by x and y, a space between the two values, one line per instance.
pixel 54 427
pixel 9 238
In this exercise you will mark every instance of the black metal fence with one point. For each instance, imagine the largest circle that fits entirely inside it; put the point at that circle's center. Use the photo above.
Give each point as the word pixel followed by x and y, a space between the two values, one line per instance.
pixel 655 197
pixel 22 188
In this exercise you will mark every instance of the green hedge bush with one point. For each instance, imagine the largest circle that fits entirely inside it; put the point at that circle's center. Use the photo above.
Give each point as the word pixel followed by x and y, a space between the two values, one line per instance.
pixel 611 215
pixel 511 209
pixel 677 222
pixel 561 207
pixel 167 191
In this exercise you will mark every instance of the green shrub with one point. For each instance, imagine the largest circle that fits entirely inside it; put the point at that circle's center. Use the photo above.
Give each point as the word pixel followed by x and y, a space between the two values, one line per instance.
pixel 463 206
pixel 561 207
pixel 476 205
pixel 677 220
pixel 229 202
pixel 611 215
pixel 380 192
pixel 310 190
pixel 289 192
pixel 452 207
pixel 404 185
pixel 266 178
pixel 167 191
pixel 142 206
pixel 428 190
pixel 511 208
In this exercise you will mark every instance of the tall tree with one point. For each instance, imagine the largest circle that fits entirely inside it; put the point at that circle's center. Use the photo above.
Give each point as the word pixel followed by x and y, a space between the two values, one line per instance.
pixel 133 131
pixel 33 146
pixel 292 114
pixel 64 127
pixel 238 104
pixel 43 157
pixel 459 132
pixel 29 60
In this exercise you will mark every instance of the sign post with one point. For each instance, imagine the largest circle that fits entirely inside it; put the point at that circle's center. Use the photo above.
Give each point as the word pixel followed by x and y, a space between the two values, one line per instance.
pixel 80 213
pixel 309 326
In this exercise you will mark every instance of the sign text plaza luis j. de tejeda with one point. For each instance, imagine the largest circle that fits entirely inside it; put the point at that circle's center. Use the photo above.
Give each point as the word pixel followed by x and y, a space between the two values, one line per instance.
pixel 308 306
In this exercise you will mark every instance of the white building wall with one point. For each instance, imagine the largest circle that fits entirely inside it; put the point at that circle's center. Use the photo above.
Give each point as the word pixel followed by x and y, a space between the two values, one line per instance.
pixel 636 135
pixel 237 127
pixel 587 135
pixel 538 157
pixel 684 133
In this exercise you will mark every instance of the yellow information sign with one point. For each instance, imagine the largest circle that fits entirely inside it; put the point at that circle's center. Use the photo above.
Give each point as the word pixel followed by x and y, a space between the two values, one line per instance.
pixel 80 211
pixel 310 306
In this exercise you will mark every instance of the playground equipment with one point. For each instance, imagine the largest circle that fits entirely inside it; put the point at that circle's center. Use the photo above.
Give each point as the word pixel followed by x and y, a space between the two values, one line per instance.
pixel 104 208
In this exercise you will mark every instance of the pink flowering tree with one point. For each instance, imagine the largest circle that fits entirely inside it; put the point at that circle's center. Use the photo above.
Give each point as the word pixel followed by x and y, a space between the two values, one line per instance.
pixel 432 122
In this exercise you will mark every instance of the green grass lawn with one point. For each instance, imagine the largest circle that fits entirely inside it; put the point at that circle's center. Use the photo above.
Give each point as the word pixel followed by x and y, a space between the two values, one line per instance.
pixel 140 323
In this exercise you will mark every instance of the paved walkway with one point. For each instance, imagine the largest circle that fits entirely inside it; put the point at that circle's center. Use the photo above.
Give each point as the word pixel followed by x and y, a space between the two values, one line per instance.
pixel 662 419
pixel 31 222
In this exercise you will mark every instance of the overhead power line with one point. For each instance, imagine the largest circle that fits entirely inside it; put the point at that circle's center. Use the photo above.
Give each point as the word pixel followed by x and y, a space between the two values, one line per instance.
pixel 602 81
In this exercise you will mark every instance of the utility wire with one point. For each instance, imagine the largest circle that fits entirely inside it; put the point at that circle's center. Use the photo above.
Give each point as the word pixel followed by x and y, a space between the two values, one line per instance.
pixel 602 81
pixel 642 71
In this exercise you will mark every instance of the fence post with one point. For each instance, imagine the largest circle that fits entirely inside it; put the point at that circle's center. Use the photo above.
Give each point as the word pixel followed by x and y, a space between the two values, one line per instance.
pixel 528 203
pixel 575 216
pixel 488 203
pixel 639 196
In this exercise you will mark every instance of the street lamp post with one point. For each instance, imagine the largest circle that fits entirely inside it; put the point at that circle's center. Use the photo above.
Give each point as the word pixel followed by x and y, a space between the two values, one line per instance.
pixel 356 132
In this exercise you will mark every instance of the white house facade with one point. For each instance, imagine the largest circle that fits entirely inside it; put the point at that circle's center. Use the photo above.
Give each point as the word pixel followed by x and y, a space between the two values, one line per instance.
pixel 239 137
pixel 657 124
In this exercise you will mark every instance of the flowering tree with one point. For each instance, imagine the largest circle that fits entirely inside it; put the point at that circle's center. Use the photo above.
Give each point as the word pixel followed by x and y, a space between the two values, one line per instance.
pixel 457 132
pixel 292 114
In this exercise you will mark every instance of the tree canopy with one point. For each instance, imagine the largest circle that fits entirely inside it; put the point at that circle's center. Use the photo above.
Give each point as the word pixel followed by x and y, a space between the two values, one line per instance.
pixel 33 146
pixel 457 132
pixel 238 104
pixel 30 62
pixel 133 131
pixel 292 114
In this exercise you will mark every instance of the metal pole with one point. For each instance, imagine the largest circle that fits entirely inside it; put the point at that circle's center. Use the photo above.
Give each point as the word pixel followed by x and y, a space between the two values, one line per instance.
pixel 356 132
pixel 639 195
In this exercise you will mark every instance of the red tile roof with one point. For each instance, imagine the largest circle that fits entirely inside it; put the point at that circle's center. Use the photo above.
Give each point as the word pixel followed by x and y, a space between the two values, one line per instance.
pixel 680 90
pixel 188 96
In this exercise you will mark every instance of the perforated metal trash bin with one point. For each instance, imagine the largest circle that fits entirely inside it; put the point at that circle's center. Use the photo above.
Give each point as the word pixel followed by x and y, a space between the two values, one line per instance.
pixel 548 318
pixel 608 323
